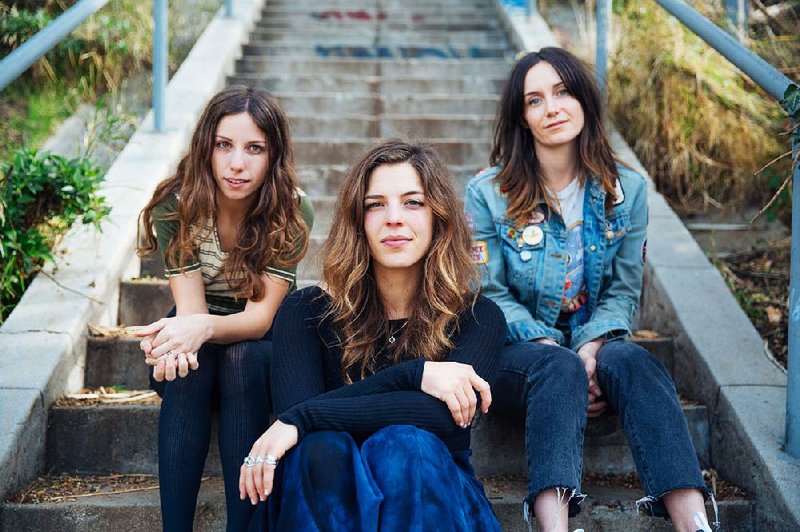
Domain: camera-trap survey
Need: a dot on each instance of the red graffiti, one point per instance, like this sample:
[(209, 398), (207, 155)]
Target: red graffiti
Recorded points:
[(361, 14)]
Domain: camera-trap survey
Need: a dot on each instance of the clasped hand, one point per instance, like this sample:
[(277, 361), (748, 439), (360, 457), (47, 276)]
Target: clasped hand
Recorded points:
[(455, 384), (171, 345), (588, 354)]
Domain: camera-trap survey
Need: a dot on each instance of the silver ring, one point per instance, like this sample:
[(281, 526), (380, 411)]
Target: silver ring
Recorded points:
[(259, 460), (249, 461), (271, 460), (169, 353)]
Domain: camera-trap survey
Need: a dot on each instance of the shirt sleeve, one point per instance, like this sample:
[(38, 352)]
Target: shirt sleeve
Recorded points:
[(522, 326), (166, 227), (393, 396), (289, 273)]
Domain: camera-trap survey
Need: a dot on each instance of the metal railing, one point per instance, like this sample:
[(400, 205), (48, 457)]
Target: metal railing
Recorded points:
[(776, 85), (18, 61)]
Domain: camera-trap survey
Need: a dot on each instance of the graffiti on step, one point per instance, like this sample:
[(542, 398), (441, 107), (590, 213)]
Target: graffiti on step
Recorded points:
[(336, 14), (408, 52)]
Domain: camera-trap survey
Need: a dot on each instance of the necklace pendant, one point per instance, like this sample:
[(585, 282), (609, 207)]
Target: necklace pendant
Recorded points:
[(391, 339)]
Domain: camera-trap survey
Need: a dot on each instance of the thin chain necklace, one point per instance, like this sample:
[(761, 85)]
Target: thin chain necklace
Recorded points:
[(392, 339)]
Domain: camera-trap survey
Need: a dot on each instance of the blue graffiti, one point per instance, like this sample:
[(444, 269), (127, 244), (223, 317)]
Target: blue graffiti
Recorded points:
[(408, 52)]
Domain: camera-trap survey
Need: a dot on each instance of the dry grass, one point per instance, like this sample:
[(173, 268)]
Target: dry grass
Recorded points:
[(700, 127)]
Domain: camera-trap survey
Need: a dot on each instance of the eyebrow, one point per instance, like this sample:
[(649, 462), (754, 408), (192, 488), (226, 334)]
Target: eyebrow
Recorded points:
[(409, 193), (557, 85), (259, 141)]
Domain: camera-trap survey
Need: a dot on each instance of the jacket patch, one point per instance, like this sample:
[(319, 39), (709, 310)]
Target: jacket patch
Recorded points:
[(479, 252)]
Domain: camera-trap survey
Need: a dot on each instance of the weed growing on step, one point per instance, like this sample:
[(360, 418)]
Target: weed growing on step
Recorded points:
[(41, 195)]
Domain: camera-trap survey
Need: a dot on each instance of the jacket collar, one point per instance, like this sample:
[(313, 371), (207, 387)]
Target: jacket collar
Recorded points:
[(597, 197)]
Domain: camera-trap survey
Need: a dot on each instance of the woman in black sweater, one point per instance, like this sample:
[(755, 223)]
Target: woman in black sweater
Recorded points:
[(377, 378)]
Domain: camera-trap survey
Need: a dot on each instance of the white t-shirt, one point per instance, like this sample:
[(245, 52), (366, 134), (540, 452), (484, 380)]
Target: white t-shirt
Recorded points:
[(570, 203)]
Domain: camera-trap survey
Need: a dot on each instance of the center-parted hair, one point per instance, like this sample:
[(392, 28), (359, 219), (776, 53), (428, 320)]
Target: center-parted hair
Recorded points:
[(448, 279), (514, 148), (273, 231)]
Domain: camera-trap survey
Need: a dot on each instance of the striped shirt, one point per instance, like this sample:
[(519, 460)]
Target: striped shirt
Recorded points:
[(209, 258)]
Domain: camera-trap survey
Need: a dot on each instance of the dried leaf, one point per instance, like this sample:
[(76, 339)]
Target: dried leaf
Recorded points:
[(646, 334), (774, 315), (108, 331)]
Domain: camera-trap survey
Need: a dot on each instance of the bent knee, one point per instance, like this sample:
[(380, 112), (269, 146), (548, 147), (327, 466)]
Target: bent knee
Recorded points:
[(323, 448), (402, 440), (562, 362), (629, 360)]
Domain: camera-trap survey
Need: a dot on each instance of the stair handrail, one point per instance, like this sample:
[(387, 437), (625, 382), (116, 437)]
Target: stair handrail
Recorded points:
[(20, 59), (783, 89)]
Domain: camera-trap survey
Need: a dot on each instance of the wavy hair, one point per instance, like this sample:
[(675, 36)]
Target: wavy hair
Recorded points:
[(448, 279), (514, 149), (272, 232)]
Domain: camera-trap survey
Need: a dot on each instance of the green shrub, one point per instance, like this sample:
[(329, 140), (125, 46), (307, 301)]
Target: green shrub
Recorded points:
[(41, 195)]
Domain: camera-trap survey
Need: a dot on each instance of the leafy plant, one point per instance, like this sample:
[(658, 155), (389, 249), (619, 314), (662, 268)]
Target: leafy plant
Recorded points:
[(41, 195)]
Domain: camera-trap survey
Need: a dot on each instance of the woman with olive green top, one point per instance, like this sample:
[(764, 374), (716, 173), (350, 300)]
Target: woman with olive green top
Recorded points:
[(231, 225)]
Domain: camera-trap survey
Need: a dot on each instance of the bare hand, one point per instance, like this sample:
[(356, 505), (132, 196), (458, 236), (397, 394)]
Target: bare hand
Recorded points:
[(455, 384), (546, 341), (169, 365), (181, 334), (256, 481), (588, 355)]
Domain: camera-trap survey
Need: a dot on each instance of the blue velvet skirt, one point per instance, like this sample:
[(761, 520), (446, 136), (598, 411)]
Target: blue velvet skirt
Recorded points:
[(401, 479)]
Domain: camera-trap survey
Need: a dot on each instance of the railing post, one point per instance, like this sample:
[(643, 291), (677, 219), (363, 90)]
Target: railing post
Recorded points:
[(737, 11), (793, 370), (43, 41), (160, 71), (603, 30), (531, 8)]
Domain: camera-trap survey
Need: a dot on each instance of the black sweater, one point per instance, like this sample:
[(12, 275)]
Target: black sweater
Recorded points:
[(308, 388)]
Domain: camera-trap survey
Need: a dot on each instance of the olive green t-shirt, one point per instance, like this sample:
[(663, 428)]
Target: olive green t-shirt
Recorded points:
[(209, 259)]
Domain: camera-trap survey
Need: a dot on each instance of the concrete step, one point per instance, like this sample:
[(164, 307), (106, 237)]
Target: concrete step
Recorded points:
[(326, 179), (108, 439), (375, 12), (323, 36), (349, 84), (428, 127), (316, 151), (388, 51), (442, 24), (397, 104), (410, 68), (606, 508), (383, 17), (498, 445), (609, 508), (132, 512), (386, 4)]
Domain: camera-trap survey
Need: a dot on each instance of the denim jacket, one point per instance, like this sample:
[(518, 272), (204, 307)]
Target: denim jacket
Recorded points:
[(526, 278)]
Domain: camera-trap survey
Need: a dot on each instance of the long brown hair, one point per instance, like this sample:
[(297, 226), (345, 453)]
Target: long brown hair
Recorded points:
[(448, 278), (272, 232), (514, 149)]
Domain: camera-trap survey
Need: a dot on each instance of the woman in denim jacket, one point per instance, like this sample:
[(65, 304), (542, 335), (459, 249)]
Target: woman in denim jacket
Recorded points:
[(559, 231)]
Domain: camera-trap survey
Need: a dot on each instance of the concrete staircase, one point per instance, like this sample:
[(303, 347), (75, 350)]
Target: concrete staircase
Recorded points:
[(347, 73)]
